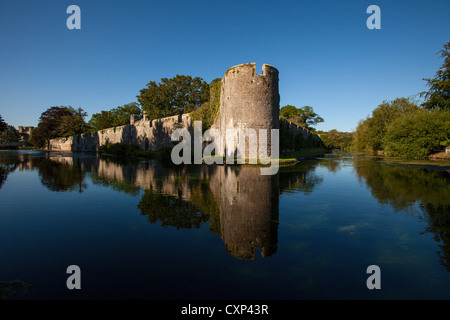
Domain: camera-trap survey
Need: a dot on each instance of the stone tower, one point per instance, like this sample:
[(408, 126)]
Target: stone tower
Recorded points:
[(249, 100)]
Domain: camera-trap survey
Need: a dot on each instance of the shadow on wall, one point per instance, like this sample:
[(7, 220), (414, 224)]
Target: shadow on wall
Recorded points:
[(147, 135), (294, 137)]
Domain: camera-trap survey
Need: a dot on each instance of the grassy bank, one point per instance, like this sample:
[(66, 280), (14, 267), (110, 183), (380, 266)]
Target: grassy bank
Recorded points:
[(304, 153), (128, 150)]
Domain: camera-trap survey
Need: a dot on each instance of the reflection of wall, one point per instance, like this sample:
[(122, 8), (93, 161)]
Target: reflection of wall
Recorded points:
[(247, 201), (248, 210)]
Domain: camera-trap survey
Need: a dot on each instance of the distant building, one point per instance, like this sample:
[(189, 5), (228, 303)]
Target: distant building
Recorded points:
[(25, 133)]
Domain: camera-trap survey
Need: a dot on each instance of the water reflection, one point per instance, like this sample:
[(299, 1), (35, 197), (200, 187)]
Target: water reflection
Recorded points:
[(406, 188), (8, 163), (240, 205)]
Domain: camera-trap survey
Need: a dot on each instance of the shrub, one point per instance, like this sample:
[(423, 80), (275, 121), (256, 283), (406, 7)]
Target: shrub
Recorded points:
[(418, 134)]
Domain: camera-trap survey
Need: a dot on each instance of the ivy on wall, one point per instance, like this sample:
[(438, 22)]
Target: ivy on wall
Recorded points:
[(208, 112)]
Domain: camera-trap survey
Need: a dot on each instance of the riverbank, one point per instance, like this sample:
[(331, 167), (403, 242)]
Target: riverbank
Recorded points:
[(125, 150), (304, 154)]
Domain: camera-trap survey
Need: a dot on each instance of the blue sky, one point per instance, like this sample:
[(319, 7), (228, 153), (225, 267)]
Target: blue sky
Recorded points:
[(326, 56)]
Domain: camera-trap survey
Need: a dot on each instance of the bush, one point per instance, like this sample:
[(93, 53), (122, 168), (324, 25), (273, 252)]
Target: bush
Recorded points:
[(417, 135)]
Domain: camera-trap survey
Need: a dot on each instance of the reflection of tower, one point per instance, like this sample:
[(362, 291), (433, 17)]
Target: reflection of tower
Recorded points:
[(249, 101), (248, 210)]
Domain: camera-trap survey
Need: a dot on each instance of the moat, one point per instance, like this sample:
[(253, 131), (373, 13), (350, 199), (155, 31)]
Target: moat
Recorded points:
[(141, 229)]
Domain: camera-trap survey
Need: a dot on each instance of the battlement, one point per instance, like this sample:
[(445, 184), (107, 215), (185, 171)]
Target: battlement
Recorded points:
[(249, 70)]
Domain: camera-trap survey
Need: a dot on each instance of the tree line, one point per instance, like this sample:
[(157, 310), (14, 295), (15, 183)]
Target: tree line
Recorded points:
[(171, 96), (401, 127), (404, 127), (7, 132)]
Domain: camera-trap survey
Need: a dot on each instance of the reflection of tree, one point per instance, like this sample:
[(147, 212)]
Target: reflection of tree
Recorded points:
[(403, 188), (439, 225), (58, 176), (114, 183), (8, 163), (333, 165), (171, 210), (299, 177)]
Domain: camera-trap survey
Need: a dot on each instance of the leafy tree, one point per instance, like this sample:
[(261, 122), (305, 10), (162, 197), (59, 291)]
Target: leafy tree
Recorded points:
[(178, 95), (56, 122), (438, 94), (122, 113), (10, 134), (3, 124), (418, 134), (361, 136), (334, 139), (118, 116), (72, 124), (382, 116), (303, 117), (100, 121)]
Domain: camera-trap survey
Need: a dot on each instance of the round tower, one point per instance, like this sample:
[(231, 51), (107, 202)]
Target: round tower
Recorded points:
[(249, 101)]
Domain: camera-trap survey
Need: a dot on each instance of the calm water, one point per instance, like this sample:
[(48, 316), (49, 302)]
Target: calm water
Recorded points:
[(145, 230)]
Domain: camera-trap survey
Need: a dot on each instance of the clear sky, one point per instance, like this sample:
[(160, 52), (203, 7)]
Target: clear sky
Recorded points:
[(326, 55)]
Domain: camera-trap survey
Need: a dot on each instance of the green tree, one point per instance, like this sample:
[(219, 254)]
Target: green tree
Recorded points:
[(303, 117), (178, 95), (56, 122), (3, 124), (115, 117), (382, 116), (122, 114), (10, 134), (334, 139), (418, 134), (361, 136), (100, 121), (72, 124), (438, 94)]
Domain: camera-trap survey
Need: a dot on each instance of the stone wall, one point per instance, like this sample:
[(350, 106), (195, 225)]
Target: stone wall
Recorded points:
[(294, 137), (148, 135)]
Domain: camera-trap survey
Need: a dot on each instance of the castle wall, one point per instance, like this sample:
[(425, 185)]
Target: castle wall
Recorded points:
[(148, 135)]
